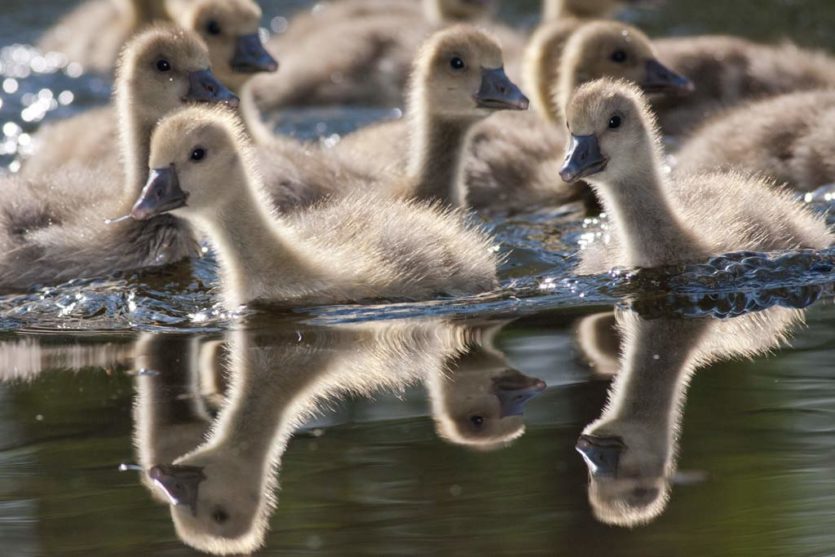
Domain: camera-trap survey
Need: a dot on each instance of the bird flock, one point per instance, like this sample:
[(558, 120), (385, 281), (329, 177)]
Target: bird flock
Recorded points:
[(496, 119)]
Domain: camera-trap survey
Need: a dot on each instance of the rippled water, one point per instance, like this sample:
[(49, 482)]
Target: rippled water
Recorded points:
[(448, 427)]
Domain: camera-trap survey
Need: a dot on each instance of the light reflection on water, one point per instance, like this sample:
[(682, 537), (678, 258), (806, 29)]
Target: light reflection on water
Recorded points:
[(414, 427)]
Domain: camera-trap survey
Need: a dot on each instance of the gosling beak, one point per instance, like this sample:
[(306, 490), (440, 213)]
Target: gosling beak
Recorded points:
[(661, 79), (514, 390), (602, 454), (180, 483), (583, 158), (162, 193), (204, 87), (497, 92), (251, 56)]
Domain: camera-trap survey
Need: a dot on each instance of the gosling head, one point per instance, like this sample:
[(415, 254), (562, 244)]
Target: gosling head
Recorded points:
[(485, 409), (164, 68), (459, 74), (629, 470), (198, 158), (613, 133), (230, 30), (619, 51), (459, 10), (220, 502)]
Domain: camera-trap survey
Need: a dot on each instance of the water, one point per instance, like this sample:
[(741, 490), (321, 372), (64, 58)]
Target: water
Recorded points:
[(437, 428)]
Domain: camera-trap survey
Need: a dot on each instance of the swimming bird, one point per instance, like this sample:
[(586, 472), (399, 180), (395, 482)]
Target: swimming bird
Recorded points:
[(355, 248), (788, 138), (53, 229), (656, 220), (458, 80)]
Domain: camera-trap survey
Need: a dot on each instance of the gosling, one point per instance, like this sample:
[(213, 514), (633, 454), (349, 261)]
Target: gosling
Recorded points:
[(616, 147), (351, 249)]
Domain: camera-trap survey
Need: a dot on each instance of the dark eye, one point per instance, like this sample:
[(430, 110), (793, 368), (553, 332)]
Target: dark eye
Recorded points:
[(213, 27), (220, 516), (457, 63), (198, 154), (476, 420), (619, 56), (614, 122), (163, 65)]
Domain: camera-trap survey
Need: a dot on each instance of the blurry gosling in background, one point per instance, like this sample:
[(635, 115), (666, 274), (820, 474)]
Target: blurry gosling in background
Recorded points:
[(727, 71), (616, 148), (790, 138), (458, 80), (350, 249), (93, 33), (362, 57), (54, 229)]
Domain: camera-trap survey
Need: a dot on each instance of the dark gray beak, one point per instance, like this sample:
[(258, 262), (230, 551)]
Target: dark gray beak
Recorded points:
[(180, 483), (661, 79), (602, 454), (514, 390), (251, 56), (162, 193), (583, 158), (497, 92), (204, 87)]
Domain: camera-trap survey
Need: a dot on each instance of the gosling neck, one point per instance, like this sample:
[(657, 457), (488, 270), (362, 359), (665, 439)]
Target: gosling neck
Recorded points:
[(553, 10), (135, 131), (273, 384), (435, 166), (542, 69), (659, 356), (147, 11), (251, 116), (646, 224), (257, 252)]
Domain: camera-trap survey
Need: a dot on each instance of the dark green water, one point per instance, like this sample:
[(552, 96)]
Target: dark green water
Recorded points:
[(420, 429)]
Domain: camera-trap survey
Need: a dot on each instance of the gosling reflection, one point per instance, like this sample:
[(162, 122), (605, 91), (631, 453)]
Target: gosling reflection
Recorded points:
[(179, 388), (480, 402), (631, 449), (222, 488)]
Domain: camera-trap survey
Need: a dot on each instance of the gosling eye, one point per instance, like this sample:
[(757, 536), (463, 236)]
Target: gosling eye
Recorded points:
[(163, 65), (618, 56), (614, 122), (213, 27), (198, 154), (457, 64), (477, 421), (220, 516)]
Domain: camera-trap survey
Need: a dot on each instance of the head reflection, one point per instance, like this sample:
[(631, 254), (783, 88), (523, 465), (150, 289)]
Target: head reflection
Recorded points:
[(221, 478), (631, 449)]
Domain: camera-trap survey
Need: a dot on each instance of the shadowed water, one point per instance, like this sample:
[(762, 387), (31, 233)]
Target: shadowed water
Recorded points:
[(679, 411)]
